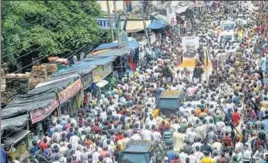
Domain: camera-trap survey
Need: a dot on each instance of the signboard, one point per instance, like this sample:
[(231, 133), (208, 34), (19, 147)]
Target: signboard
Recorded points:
[(190, 46), (104, 23), (41, 113), (123, 39), (86, 79), (101, 72), (70, 91)]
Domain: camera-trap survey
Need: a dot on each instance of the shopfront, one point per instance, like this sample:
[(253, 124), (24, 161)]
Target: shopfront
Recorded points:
[(65, 95), (102, 71)]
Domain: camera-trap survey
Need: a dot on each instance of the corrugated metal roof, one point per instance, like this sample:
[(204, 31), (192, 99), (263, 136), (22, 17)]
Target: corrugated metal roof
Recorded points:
[(14, 124)]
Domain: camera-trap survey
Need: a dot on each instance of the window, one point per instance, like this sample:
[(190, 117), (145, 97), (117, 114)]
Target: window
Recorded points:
[(134, 158)]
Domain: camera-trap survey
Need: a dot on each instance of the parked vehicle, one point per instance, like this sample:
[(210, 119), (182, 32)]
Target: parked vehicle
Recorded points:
[(140, 151)]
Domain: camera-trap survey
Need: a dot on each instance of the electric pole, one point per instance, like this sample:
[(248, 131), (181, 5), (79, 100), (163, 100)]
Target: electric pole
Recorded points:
[(117, 23), (110, 21)]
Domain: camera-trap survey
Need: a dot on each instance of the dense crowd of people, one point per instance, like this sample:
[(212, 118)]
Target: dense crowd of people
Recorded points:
[(223, 119)]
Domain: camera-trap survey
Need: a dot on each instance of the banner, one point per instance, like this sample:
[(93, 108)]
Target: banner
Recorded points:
[(190, 46), (101, 72), (171, 17), (41, 113)]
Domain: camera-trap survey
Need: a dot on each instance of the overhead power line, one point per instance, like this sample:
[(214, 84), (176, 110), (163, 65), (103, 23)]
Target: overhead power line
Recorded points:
[(68, 56)]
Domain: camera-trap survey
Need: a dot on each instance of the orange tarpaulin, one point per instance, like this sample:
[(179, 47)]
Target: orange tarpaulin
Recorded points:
[(52, 59), (99, 51)]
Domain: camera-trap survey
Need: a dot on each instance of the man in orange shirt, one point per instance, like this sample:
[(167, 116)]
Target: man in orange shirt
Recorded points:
[(235, 117)]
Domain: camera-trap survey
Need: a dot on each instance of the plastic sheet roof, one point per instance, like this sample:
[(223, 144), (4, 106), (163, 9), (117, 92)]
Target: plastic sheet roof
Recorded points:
[(100, 60), (133, 43), (14, 124), (37, 98), (157, 24), (80, 68)]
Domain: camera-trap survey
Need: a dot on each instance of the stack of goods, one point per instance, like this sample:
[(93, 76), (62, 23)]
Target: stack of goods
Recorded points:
[(18, 82), (7, 96), (3, 81), (39, 74), (50, 68)]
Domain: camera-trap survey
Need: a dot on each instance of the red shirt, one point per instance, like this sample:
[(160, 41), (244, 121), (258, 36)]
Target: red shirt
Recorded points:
[(227, 141), (119, 137), (43, 145), (236, 118)]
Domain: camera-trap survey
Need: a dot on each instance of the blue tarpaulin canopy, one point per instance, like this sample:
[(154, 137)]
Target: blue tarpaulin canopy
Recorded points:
[(96, 61), (80, 68), (133, 43), (157, 24)]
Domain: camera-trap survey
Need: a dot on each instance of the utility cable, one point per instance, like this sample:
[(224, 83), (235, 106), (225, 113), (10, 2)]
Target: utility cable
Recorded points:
[(24, 85), (41, 59)]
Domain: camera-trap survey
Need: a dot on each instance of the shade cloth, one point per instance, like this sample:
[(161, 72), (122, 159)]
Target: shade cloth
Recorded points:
[(157, 24)]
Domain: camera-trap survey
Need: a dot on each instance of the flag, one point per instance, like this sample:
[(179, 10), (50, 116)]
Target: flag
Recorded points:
[(128, 6), (206, 57)]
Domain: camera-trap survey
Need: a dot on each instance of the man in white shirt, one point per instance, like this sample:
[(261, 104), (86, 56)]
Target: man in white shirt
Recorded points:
[(146, 134), (135, 136), (183, 156), (108, 159), (156, 135), (95, 156), (199, 155), (74, 140), (78, 153), (151, 122)]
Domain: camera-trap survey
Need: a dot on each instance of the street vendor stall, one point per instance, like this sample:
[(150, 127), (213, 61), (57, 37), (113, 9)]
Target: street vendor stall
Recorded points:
[(16, 145)]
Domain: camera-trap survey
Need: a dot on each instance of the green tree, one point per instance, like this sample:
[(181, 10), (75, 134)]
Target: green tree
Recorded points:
[(54, 27)]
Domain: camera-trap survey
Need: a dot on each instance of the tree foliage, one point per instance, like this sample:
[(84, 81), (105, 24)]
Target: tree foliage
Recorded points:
[(56, 27)]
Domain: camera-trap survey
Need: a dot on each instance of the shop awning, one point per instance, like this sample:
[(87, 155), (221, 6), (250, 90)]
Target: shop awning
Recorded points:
[(102, 83), (16, 137), (99, 60), (133, 26), (80, 68), (114, 45), (157, 24), (39, 97), (14, 124), (112, 53)]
